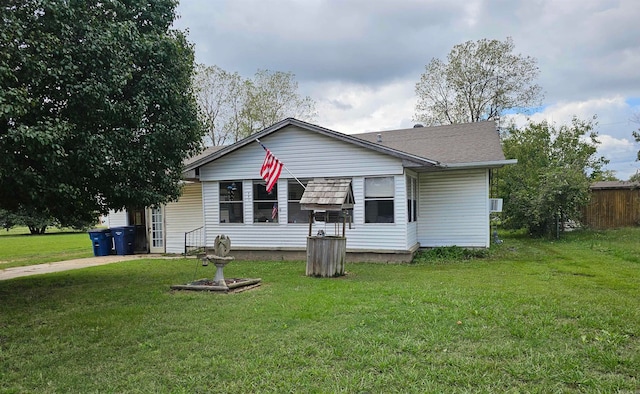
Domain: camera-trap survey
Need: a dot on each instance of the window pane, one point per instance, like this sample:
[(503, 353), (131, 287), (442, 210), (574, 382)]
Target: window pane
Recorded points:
[(260, 192), (295, 190), (415, 210), (294, 213), (412, 198), (231, 191), (231, 212), (378, 187), (265, 212), (378, 211)]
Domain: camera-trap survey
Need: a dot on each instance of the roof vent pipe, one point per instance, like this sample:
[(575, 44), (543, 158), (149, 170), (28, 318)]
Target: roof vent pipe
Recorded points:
[(379, 138), (417, 125)]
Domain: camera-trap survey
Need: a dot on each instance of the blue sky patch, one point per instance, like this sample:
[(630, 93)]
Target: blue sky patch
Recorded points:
[(633, 101)]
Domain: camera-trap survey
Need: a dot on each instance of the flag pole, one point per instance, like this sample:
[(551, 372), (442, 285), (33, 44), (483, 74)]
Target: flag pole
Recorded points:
[(284, 166)]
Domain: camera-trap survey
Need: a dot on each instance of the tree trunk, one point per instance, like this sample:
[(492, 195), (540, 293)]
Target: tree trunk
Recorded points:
[(37, 230)]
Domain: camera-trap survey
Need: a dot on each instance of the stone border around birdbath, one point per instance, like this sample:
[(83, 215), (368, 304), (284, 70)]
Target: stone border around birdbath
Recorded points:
[(235, 285)]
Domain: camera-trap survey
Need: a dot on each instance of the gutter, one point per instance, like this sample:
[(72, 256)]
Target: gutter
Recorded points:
[(480, 164)]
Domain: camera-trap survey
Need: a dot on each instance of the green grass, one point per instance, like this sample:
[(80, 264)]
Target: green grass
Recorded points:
[(18, 248), (533, 316)]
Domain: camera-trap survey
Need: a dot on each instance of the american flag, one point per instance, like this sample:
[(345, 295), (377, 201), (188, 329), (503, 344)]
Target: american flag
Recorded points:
[(271, 169)]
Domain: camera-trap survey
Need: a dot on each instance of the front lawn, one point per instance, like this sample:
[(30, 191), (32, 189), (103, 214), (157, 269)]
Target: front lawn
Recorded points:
[(535, 316), (20, 249)]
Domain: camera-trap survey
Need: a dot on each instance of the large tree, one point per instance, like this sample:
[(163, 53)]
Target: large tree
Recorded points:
[(479, 81), (550, 183), (221, 96), (636, 134), (97, 109), (232, 107)]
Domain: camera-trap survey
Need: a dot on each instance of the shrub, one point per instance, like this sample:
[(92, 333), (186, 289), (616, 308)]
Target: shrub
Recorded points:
[(449, 253)]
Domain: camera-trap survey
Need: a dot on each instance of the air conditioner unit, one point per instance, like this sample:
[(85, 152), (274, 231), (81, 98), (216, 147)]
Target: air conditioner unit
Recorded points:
[(495, 205)]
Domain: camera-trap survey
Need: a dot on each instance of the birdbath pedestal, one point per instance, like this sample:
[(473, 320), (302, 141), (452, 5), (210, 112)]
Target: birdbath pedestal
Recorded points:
[(219, 262), (221, 248), (219, 257)]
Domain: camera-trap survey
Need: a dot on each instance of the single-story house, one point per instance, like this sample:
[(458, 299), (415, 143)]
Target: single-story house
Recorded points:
[(412, 188)]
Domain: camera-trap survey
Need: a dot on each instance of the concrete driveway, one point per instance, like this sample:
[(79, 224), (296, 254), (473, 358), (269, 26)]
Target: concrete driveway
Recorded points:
[(16, 272)]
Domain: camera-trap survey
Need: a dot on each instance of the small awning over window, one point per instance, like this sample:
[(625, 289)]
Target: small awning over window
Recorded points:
[(327, 195)]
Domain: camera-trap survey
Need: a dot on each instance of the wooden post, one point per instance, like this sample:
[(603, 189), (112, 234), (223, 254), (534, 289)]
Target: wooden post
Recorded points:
[(310, 222)]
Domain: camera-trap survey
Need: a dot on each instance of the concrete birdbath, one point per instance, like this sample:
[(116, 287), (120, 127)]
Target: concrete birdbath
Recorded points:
[(219, 258)]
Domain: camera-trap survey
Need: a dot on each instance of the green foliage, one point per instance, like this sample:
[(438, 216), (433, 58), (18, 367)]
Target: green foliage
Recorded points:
[(97, 110), (479, 80), (542, 317), (232, 107), (636, 135), (36, 223), (449, 253), (604, 175), (551, 181)]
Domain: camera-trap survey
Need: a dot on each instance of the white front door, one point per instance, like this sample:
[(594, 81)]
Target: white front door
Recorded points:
[(156, 230)]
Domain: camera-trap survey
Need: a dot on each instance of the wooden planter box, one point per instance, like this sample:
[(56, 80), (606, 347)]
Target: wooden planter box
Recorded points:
[(326, 256)]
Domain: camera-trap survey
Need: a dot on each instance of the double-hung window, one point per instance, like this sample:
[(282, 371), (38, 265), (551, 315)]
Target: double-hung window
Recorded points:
[(231, 207), (294, 213), (412, 199), (378, 200), (265, 205)]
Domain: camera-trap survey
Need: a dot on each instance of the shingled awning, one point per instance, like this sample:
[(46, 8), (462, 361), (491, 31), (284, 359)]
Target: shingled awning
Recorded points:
[(327, 195)]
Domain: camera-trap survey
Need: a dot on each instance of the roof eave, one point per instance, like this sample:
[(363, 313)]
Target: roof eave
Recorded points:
[(480, 164), (407, 157)]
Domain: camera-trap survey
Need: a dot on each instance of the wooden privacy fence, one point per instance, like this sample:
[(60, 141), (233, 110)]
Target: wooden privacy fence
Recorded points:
[(613, 205)]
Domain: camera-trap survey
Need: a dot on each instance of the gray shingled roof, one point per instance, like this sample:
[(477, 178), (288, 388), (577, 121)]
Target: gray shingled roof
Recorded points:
[(202, 154), (615, 185), (459, 143), (327, 194)]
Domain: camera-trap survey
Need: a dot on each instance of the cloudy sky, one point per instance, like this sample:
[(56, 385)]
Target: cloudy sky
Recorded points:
[(360, 59)]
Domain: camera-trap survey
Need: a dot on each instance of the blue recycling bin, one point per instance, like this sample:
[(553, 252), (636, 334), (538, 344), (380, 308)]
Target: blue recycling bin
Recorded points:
[(123, 239), (102, 241)]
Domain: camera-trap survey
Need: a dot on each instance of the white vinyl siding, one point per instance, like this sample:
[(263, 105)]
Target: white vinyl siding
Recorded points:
[(248, 235), (117, 219), (306, 154), (183, 216), (453, 208)]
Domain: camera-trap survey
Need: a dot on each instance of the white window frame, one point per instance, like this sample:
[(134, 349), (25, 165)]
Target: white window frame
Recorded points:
[(270, 202), (304, 219), (379, 196), (224, 201), (412, 199)]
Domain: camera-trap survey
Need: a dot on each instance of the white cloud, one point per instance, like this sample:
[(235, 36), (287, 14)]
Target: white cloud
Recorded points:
[(359, 60), (615, 147), (357, 108)]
